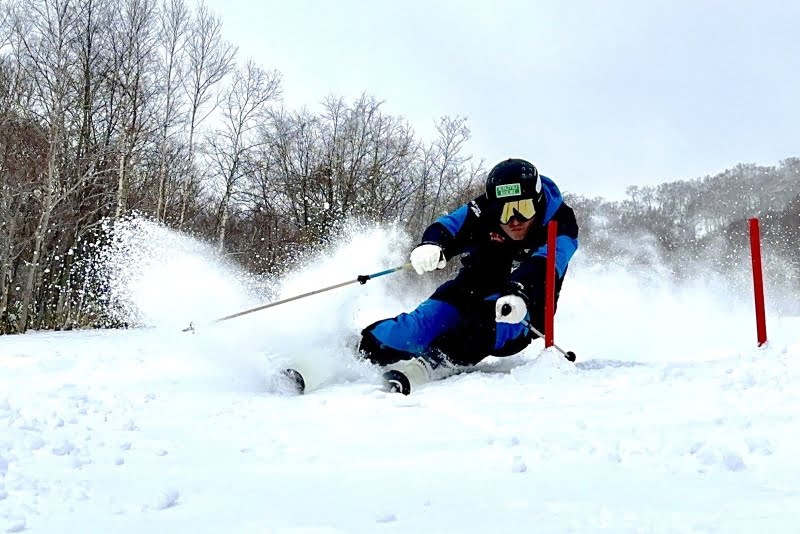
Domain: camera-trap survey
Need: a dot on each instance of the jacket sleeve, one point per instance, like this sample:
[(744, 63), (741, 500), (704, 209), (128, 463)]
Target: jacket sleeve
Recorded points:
[(453, 231), (530, 275)]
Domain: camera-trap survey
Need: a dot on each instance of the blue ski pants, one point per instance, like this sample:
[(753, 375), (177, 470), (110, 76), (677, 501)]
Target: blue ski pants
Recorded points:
[(464, 334)]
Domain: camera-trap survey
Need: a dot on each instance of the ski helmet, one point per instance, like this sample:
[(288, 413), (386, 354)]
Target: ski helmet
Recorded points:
[(512, 181)]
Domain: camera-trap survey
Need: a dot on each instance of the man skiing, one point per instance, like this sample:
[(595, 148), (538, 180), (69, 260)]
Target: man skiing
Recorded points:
[(502, 235)]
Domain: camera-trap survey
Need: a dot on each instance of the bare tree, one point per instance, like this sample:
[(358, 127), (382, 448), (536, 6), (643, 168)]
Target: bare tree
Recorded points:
[(231, 145), (93, 49), (92, 23), (134, 48), (174, 26), (292, 152), (22, 155), (6, 25), (210, 59), (352, 161), (44, 31), (445, 175), (369, 156)]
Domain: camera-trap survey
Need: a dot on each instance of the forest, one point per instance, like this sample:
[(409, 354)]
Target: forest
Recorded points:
[(115, 108)]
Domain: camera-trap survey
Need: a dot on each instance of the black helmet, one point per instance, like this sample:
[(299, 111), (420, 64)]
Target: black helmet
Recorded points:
[(513, 179), (514, 189)]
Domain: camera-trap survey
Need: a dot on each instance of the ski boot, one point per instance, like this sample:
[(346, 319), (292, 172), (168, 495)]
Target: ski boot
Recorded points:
[(400, 376)]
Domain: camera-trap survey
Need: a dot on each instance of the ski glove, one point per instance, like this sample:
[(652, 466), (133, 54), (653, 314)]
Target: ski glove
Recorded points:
[(515, 309), (427, 257)]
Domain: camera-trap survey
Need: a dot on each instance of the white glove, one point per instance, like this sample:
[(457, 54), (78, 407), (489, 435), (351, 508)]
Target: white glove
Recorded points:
[(427, 257), (516, 309)]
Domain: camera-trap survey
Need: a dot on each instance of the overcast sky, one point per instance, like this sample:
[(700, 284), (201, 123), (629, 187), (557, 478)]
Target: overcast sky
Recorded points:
[(599, 95)]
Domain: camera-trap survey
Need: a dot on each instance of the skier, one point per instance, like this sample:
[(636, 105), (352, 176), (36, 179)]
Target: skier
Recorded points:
[(502, 235)]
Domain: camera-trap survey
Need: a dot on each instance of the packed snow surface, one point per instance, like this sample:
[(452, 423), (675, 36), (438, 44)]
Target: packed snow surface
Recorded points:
[(671, 420)]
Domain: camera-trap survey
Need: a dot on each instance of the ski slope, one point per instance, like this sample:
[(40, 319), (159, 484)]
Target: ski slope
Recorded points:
[(671, 420)]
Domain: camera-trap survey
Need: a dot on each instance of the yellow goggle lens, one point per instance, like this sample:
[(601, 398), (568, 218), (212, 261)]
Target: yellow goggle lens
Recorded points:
[(523, 209)]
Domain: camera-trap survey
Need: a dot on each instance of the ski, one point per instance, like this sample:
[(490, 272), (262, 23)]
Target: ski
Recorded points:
[(402, 376), (394, 381), (397, 382), (294, 379)]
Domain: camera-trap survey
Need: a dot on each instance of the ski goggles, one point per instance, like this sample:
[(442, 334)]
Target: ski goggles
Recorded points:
[(523, 210)]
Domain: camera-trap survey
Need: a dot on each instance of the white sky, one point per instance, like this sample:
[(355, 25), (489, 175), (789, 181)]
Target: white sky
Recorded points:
[(599, 95)]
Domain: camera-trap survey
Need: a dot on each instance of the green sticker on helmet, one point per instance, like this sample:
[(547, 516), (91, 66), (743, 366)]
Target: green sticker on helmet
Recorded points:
[(508, 190)]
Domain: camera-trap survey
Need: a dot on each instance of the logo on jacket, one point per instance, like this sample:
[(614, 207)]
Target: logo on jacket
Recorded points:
[(474, 207), (496, 237)]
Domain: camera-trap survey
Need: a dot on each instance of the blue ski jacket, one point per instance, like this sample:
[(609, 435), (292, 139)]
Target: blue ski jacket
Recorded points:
[(494, 263)]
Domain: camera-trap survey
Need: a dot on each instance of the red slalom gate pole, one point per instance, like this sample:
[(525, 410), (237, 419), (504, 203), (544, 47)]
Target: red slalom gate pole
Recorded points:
[(758, 282), (550, 284)]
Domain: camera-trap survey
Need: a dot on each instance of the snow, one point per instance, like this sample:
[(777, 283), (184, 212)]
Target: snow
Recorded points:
[(671, 420)]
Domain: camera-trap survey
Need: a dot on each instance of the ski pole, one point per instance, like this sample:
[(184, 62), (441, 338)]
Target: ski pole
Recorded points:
[(361, 279), (569, 355)]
